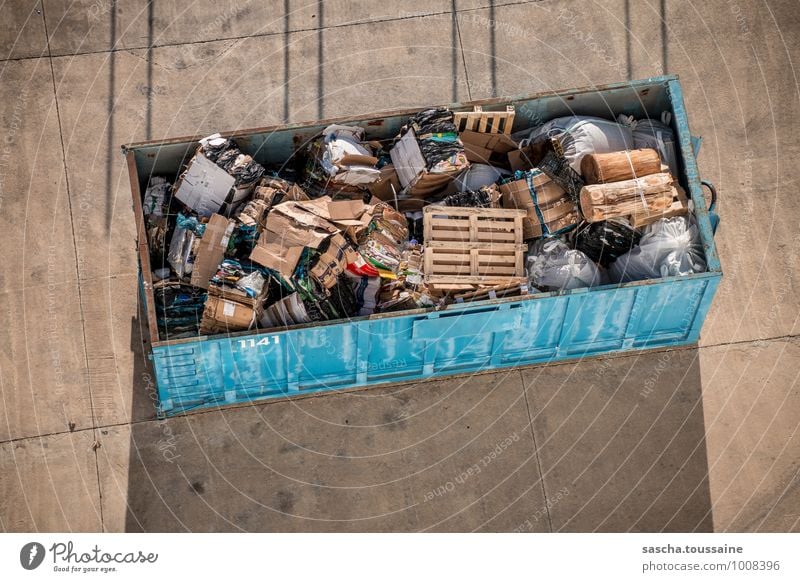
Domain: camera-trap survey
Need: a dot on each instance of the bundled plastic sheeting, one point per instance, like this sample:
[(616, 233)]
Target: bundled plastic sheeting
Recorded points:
[(227, 155), (438, 140), (670, 247), (366, 291), (340, 161), (181, 246), (245, 171), (580, 135), (241, 166), (486, 197), (604, 242), (214, 145), (178, 308), (180, 250), (553, 265), (153, 204), (190, 223), (155, 197), (252, 285)]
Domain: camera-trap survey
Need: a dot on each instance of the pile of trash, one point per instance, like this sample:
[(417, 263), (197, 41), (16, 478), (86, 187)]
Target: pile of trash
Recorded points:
[(340, 232)]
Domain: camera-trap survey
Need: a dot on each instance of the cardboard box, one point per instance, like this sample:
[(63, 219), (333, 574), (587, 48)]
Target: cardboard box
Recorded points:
[(211, 249), (222, 315), (345, 210), (204, 186), (557, 210), (387, 186), (520, 159), (494, 142), (290, 227), (476, 153)]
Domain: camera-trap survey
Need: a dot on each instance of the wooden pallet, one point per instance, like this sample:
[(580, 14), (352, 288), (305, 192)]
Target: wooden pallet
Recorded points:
[(472, 246), (518, 286), (485, 121)]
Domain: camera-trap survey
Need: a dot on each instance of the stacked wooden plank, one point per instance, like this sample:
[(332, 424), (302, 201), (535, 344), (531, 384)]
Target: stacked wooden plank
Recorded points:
[(472, 246), (632, 184)]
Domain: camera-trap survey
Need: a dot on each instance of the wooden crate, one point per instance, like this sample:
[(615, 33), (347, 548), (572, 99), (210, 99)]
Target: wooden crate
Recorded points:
[(472, 246), (485, 121)]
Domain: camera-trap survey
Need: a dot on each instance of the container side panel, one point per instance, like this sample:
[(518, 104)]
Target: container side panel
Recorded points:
[(703, 307), (392, 352), (254, 366), (692, 175), (189, 375), (326, 356), (596, 321), (537, 338), (668, 312)]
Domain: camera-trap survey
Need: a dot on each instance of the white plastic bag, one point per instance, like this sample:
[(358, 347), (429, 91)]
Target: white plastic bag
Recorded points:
[(553, 264), (658, 135), (581, 135), (477, 176), (669, 247)]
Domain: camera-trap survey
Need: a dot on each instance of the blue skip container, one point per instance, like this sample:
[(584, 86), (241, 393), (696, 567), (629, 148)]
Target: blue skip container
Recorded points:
[(213, 371)]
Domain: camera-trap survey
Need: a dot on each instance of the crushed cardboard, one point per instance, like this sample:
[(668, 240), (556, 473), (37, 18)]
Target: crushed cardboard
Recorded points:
[(211, 249)]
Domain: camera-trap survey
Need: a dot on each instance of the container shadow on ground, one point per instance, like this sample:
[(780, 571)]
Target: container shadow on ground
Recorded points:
[(616, 444)]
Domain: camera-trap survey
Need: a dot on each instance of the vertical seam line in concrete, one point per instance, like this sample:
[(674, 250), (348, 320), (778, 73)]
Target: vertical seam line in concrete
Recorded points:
[(493, 49), (77, 273), (536, 450), (149, 113), (286, 61), (463, 56), (320, 57)]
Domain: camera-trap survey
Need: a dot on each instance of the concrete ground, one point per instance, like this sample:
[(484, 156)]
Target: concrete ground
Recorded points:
[(713, 446)]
